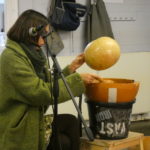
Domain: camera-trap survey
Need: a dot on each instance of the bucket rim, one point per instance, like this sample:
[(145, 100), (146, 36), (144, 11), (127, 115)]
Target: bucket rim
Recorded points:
[(118, 105)]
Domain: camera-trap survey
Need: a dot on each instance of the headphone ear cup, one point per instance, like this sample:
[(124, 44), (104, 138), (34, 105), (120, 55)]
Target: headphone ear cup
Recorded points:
[(33, 32)]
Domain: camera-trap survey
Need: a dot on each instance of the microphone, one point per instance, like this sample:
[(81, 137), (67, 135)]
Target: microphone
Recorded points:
[(33, 31)]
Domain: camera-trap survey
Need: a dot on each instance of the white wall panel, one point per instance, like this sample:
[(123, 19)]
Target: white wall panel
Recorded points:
[(11, 13), (130, 24)]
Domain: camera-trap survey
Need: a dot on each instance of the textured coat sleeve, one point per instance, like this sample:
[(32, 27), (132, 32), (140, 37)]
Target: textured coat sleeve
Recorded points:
[(66, 71), (76, 85), (35, 91)]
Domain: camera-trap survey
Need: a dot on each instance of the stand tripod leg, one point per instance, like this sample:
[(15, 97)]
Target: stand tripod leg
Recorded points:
[(80, 123)]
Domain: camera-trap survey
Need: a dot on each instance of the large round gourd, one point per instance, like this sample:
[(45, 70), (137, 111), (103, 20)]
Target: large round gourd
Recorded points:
[(102, 53)]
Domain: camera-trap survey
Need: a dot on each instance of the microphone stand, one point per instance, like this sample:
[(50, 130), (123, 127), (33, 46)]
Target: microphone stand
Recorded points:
[(58, 72), (55, 95)]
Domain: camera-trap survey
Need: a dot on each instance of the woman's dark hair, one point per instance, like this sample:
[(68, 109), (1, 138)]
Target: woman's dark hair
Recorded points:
[(19, 32)]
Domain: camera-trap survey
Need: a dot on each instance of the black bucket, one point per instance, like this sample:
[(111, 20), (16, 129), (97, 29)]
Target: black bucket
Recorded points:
[(109, 120)]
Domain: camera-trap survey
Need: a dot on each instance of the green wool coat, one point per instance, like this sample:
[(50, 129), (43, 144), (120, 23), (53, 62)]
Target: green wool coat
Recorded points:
[(23, 96)]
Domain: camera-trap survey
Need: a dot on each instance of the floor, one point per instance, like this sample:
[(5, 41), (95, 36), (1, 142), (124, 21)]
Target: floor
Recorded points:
[(141, 126)]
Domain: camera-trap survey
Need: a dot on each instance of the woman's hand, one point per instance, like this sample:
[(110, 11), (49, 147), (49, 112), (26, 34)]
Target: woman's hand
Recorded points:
[(90, 78), (77, 62)]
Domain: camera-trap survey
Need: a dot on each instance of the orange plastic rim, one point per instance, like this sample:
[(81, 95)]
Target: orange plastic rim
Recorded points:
[(113, 91)]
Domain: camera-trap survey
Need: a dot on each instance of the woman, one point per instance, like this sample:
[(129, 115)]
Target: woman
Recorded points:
[(25, 86)]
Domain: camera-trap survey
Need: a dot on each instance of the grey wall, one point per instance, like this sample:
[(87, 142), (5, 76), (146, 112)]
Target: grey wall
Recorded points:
[(130, 23), (1, 16)]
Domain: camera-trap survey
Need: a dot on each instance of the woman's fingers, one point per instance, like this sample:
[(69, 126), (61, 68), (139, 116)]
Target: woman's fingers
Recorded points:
[(77, 62), (98, 78), (90, 78)]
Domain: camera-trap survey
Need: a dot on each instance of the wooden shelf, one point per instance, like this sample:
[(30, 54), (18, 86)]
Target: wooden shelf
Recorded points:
[(133, 139)]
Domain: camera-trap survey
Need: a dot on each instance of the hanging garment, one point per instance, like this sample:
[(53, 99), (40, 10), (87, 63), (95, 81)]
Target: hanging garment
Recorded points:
[(98, 23), (65, 14)]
